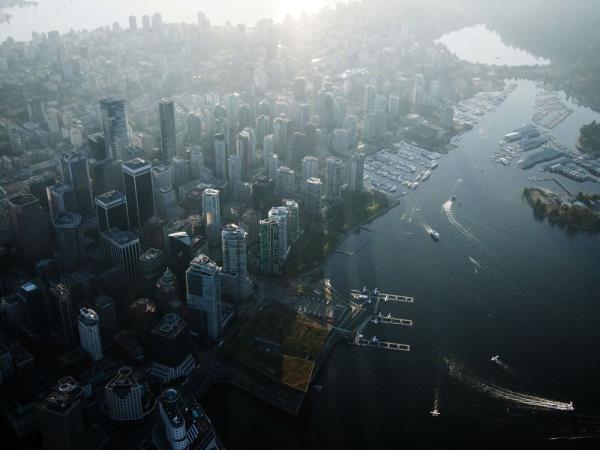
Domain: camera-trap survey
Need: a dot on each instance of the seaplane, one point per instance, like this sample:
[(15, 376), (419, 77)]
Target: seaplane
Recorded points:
[(435, 412), (374, 320), (374, 339), (495, 359)]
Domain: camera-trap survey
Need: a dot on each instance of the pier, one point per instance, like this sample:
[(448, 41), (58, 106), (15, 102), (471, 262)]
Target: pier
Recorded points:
[(392, 321), (382, 344)]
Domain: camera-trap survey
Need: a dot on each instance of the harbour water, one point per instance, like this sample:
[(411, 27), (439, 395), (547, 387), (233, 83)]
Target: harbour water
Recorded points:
[(499, 282), (477, 44)]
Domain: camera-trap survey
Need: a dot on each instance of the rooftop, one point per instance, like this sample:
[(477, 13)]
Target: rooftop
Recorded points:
[(121, 237), (110, 198), (170, 326), (136, 165)]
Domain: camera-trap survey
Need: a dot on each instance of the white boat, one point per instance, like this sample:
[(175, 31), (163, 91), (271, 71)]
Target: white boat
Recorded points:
[(434, 234)]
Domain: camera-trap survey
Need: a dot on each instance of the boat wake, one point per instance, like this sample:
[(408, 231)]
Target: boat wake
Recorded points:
[(447, 208), (503, 393)]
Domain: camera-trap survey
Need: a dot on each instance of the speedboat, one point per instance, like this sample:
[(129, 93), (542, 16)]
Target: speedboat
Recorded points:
[(495, 358), (435, 412), (434, 235)]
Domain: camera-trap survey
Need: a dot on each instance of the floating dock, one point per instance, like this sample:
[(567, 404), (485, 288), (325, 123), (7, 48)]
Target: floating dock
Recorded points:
[(382, 344), (393, 321)]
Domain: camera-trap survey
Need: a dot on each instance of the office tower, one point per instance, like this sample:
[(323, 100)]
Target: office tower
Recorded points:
[(111, 209), (137, 178), (234, 170), (298, 148), (313, 194), (310, 167), (220, 146), (89, 333), (268, 145), (60, 417), (168, 142), (232, 102), (272, 164), (68, 236), (269, 246), (196, 162), (284, 182), (280, 214), (170, 341), (245, 116), (32, 296), (124, 251), (250, 223), (61, 307), (162, 176), (76, 173), (29, 228), (280, 135), (61, 198), (293, 219), (394, 106), (234, 280), (181, 171), (146, 22), (369, 100), (144, 317), (152, 264), (36, 111), (244, 152), (211, 213), (356, 165), (304, 111), (263, 128), (183, 424), (105, 307), (203, 292), (339, 141), (194, 128), (299, 88), (334, 169), (124, 396), (132, 23), (114, 125)]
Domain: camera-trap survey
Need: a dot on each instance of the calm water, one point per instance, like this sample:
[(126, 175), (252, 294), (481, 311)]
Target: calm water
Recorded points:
[(534, 301), (477, 44), (64, 15)]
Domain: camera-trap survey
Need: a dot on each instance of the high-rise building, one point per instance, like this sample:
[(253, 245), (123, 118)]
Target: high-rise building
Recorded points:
[(114, 125), (293, 219), (269, 246), (162, 176), (60, 417), (97, 146), (105, 307), (211, 213), (244, 152), (235, 282), (310, 167), (89, 333), (124, 396), (168, 140), (220, 147), (68, 236), (334, 170), (263, 128), (170, 339), (284, 182), (281, 215), (356, 165), (61, 308), (196, 162), (29, 228), (124, 251), (313, 196), (234, 166), (61, 198), (137, 178), (194, 128), (181, 171), (111, 209), (76, 173), (272, 164), (32, 298), (203, 292), (132, 23)]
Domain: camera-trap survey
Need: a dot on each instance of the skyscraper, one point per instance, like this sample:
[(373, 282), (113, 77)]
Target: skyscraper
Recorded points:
[(170, 339), (114, 125), (124, 251), (89, 333), (111, 208), (356, 165), (334, 168), (168, 141), (280, 214), (124, 396), (244, 152), (68, 236), (220, 146), (269, 246), (76, 173), (284, 182), (194, 128), (29, 228), (61, 197), (313, 194), (293, 219), (61, 307), (234, 166), (310, 167), (196, 162), (203, 292), (235, 281), (211, 213), (139, 193)]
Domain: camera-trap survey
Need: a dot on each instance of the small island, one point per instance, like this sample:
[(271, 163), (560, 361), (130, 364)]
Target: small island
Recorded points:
[(588, 141), (581, 211)]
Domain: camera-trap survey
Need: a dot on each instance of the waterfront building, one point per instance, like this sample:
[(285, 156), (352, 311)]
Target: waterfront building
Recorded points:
[(211, 213), (111, 209), (76, 173), (168, 139), (281, 215), (139, 192), (89, 333), (269, 246), (356, 165), (203, 292), (114, 126), (334, 168)]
